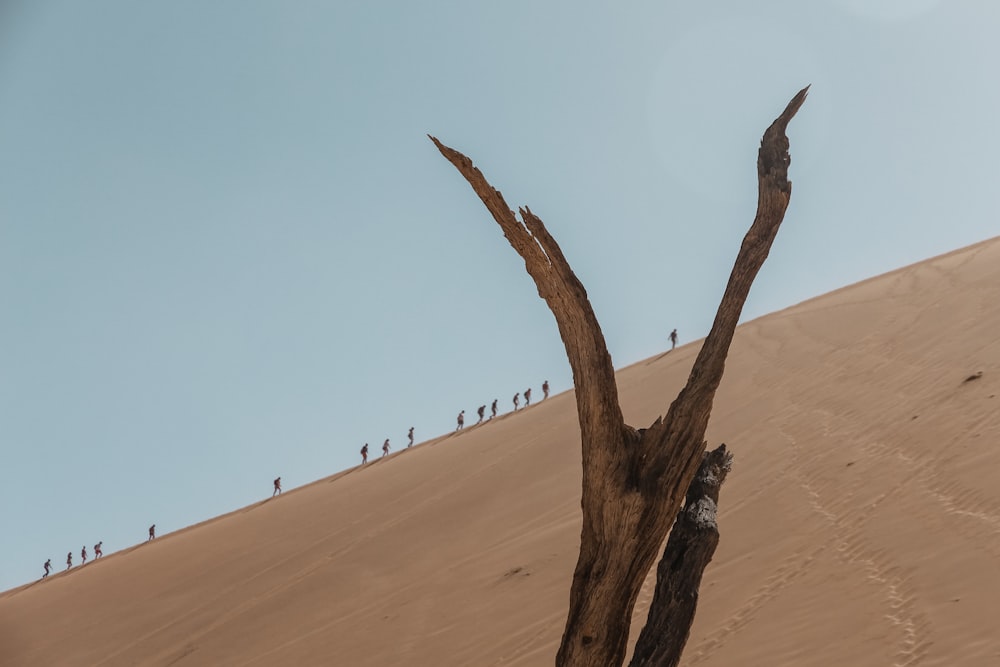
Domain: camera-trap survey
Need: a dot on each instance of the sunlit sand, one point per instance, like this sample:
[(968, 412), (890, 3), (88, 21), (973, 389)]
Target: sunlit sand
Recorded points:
[(860, 524)]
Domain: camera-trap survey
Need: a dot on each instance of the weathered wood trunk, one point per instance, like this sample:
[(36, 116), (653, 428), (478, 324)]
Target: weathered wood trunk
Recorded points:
[(689, 550), (633, 481)]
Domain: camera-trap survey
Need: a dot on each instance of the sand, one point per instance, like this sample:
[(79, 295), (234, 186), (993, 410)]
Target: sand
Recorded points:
[(860, 525)]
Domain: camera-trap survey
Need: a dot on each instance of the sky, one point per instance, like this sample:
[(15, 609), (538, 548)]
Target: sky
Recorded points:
[(229, 252)]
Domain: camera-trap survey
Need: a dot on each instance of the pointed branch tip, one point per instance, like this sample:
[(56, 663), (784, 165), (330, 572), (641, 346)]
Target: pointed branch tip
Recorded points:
[(793, 106)]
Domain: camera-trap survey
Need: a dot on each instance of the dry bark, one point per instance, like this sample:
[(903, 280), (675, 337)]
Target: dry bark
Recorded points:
[(633, 480), (689, 550)]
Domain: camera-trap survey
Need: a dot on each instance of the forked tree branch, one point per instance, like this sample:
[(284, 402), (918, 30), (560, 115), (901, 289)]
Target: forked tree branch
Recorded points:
[(600, 416), (687, 416)]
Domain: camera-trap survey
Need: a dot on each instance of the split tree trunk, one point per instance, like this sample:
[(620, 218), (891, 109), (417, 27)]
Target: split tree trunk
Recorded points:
[(689, 550), (633, 480)]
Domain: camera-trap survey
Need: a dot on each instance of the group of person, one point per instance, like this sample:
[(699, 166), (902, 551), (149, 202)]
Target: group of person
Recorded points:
[(386, 447), (69, 558), (481, 412), (98, 553)]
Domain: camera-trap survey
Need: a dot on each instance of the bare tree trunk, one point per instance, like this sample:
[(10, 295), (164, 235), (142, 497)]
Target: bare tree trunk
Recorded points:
[(689, 550), (633, 481)]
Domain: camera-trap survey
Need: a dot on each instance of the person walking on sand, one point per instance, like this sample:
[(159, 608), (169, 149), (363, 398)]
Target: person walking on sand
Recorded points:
[(69, 560), (385, 447), (517, 401), (481, 412), (152, 532), (48, 568), (461, 421), (673, 339), (410, 436), (545, 390), (527, 397), (364, 454), (83, 556), (277, 487), (493, 409), (97, 550)]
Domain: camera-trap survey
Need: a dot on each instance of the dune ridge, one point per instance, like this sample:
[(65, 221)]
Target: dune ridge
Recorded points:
[(860, 524)]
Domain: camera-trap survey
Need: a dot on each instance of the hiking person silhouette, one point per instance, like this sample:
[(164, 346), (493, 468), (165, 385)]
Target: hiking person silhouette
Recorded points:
[(385, 447), (277, 487), (517, 401), (48, 568), (493, 409), (545, 390), (481, 411), (69, 560), (364, 454), (97, 550), (410, 436), (152, 532), (83, 556), (461, 421), (673, 339), (527, 397)]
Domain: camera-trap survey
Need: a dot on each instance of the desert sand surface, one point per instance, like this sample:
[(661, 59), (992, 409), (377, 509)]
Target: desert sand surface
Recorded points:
[(860, 525)]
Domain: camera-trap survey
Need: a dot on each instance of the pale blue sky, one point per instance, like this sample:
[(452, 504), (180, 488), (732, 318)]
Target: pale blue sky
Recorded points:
[(229, 252)]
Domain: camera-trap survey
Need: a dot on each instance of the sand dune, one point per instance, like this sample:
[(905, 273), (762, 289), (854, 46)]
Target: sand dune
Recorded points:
[(860, 524)]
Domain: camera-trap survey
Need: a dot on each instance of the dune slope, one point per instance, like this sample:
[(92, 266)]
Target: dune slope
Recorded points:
[(860, 525)]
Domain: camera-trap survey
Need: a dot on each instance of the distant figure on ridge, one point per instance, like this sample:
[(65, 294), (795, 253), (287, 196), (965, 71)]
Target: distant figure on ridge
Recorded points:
[(545, 390), (410, 436), (385, 447), (461, 420), (481, 412), (48, 568), (277, 487), (493, 409), (83, 556), (97, 550), (527, 397), (69, 560), (517, 401), (673, 339), (364, 454), (152, 532)]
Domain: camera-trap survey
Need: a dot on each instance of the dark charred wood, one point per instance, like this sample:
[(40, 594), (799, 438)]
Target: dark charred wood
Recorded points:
[(689, 550)]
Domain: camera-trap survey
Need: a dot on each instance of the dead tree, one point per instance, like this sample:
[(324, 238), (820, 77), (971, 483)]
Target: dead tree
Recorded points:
[(633, 480)]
